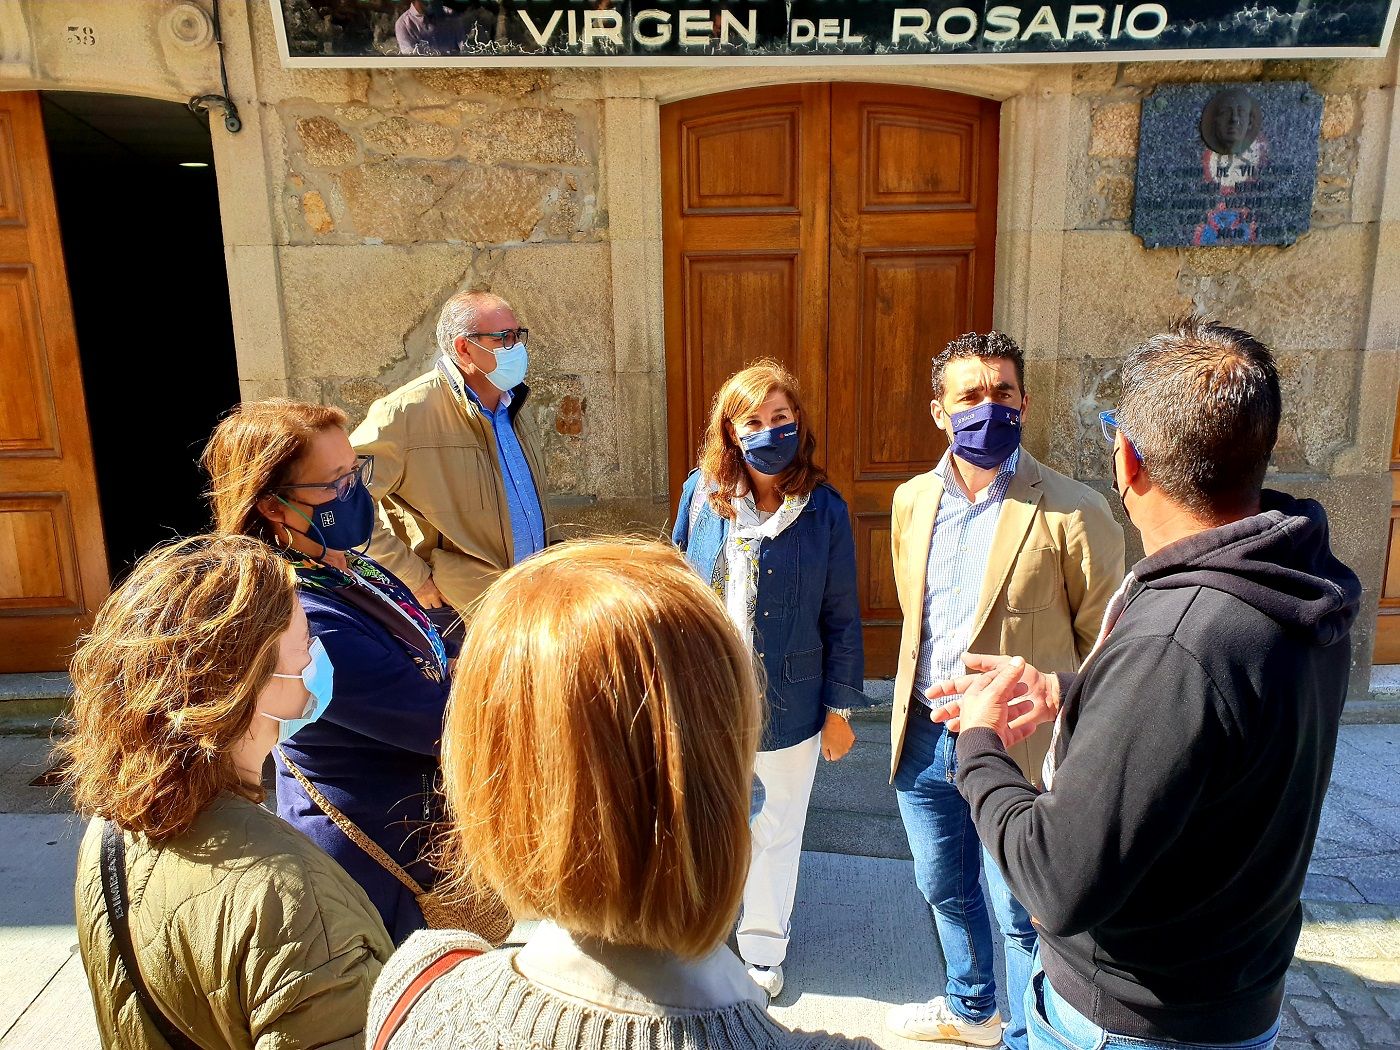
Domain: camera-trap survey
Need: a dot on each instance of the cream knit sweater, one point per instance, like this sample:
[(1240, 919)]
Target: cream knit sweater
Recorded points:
[(488, 1004)]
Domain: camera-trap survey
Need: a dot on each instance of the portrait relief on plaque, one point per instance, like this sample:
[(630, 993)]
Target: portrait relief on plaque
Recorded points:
[(1235, 155), (1223, 165)]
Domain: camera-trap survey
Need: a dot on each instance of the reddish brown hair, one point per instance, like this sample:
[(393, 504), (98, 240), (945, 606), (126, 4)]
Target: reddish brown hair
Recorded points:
[(253, 451), (721, 458), (599, 747), (166, 684)]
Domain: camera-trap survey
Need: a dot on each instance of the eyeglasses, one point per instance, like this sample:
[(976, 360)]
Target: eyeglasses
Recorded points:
[(507, 337), (1108, 423), (342, 486)]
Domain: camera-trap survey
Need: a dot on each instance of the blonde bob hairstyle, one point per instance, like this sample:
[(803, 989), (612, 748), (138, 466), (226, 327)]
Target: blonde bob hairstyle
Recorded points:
[(599, 748), (253, 451), (722, 458), (166, 684)]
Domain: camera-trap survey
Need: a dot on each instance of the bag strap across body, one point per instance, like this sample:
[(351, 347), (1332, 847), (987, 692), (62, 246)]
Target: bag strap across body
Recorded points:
[(405, 1002), (114, 894), (351, 830)]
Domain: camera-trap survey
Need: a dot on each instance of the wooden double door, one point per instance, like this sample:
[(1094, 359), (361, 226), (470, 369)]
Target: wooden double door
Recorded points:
[(847, 231)]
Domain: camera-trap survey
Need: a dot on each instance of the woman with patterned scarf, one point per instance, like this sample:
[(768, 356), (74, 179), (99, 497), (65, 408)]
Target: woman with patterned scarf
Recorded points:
[(285, 472), (758, 520)]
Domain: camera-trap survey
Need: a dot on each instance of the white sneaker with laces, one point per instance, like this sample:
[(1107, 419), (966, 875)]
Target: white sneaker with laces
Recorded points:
[(935, 1021), (769, 978)]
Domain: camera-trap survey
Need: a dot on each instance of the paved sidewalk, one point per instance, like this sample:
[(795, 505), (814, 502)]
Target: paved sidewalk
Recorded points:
[(862, 938)]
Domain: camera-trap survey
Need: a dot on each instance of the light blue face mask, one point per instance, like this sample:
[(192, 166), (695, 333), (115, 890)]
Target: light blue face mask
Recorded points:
[(319, 678), (511, 364)]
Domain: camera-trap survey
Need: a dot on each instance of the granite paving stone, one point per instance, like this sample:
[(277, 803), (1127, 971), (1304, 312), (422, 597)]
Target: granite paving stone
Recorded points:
[(1317, 1014), (1338, 1040)]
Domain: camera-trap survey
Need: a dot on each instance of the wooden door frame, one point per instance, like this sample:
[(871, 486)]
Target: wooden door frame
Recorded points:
[(1037, 106)]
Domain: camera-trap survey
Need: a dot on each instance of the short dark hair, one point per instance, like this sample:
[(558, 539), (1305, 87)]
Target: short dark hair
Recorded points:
[(1201, 405), (973, 344)]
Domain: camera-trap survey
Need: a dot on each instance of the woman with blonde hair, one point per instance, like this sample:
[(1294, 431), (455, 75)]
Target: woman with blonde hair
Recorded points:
[(363, 781), (759, 523), (203, 919), (598, 765)]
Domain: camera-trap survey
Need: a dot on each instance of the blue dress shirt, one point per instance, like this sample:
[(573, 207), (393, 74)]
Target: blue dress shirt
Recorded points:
[(522, 496), (957, 562)]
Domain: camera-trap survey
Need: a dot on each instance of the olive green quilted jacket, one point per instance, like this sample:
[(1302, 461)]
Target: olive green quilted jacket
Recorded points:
[(248, 934)]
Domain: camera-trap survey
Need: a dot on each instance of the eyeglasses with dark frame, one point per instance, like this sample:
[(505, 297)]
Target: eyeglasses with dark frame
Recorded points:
[(341, 487), (508, 337)]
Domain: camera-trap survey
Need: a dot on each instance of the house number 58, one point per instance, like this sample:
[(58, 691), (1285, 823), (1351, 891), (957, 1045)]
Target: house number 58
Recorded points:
[(81, 36)]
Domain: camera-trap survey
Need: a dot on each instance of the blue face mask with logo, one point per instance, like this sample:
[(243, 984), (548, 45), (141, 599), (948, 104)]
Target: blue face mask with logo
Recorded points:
[(771, 451), (511, 364), (319, 679), (339, 524), (984, 436)]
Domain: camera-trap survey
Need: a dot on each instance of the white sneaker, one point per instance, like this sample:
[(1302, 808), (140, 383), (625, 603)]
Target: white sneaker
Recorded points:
[(934, 1021), (769, 978)]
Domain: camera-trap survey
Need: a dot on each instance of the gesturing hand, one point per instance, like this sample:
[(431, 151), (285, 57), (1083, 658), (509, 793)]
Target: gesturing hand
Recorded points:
[(1039, 693)]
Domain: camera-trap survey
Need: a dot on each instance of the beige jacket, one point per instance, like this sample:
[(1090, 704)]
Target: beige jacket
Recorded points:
[(437, 480), (246, 932), (1056, 559)]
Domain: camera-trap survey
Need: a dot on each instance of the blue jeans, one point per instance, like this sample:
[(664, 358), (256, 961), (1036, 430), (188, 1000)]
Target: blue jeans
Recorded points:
[(948, 860), (1055, 1025)]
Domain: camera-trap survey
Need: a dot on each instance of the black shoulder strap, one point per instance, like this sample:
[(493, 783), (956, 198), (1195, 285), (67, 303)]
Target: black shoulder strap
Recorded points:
[(114, 893)]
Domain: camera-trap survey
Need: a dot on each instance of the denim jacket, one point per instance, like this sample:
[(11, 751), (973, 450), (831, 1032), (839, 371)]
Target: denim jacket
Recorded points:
[(807, 616)]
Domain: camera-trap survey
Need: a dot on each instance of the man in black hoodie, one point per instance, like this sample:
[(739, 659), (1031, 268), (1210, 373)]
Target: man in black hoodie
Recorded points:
[(1165, 861)]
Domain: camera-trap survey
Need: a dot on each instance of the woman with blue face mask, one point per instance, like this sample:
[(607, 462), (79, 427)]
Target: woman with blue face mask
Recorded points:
[(203, 919), (758, 521), (285, 472)]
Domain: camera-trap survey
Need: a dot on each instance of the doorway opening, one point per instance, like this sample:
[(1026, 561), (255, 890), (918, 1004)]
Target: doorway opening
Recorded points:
[(138, 211), (849, 231)]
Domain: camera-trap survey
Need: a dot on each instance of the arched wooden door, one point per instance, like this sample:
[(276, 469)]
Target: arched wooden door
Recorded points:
[(847, 230)]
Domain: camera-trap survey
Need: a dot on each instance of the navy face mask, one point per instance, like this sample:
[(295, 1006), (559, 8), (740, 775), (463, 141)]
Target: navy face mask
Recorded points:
[(340, 524), (984, 436), (771, 451)]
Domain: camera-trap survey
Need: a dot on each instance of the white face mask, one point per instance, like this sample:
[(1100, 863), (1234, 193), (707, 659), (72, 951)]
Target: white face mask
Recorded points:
[(319, 678), (511, 364)]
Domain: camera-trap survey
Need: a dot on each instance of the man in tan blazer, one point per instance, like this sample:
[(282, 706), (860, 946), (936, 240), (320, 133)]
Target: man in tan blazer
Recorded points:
[(457, 470), (993, 553)]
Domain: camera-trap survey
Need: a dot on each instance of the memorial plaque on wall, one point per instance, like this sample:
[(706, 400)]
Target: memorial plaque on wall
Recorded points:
[(1226, 164), (654, 32)]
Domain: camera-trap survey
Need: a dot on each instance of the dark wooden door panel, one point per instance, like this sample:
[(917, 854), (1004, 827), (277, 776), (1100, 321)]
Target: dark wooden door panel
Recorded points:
[(1387, 649), (913, 206), (744, 189), (53, 566)]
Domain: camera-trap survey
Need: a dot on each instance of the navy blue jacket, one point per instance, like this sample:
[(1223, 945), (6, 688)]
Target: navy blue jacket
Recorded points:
[(807, 614), (373, 753)]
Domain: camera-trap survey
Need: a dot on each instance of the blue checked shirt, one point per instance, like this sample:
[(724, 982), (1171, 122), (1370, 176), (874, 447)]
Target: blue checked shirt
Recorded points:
[(957, 562), (522, 498)]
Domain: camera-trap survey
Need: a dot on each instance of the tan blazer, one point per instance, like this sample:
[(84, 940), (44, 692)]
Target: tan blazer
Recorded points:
[(1056, 559), (442, 507)]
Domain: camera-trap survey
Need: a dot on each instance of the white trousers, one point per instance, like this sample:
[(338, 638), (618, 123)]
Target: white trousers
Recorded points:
[(776, 831)]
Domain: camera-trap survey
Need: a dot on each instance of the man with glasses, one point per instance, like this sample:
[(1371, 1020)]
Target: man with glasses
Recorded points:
[(457, 470), (1193, 750), (993, 552)]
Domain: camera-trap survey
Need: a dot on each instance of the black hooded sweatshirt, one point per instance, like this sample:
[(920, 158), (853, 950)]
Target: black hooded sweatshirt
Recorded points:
[(1164, 868)]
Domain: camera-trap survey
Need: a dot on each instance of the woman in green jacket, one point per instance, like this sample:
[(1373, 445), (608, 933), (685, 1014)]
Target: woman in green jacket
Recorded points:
[(242, 932)]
